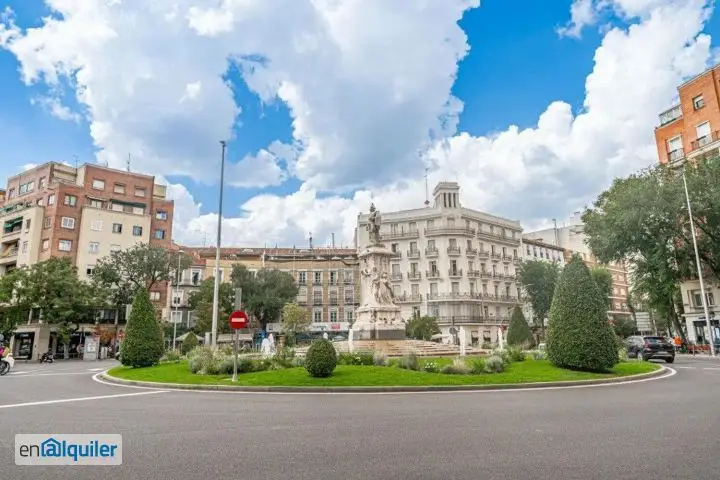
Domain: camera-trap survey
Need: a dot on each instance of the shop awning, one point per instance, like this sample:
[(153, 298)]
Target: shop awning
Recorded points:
[(11, 224), (129, 204)]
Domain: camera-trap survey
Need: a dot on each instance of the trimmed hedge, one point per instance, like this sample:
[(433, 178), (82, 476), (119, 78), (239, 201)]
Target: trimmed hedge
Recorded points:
[(143, 345), (519, 333), (189, 343), (321, 359), (579, 334)]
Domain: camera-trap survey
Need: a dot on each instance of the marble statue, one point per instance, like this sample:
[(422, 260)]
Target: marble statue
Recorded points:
[(373, 225)]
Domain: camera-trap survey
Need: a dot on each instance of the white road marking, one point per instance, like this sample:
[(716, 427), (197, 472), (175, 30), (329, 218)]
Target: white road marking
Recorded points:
[(687, 368), (712, 368), (79, 399), (52, 374), (96, 369), (670, 372)]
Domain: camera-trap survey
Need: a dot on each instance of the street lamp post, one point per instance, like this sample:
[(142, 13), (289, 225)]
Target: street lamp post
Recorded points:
[(216, 292), (699, 269), (177, 305)]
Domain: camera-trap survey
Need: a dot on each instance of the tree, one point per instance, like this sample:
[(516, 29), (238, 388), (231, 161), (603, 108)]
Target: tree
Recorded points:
[(201, 302), (703, 180), (579, 334), (295, 320), (143, 265), (604, 280), (519, 333), (422, 328), (265, 293), (623, 326), (14, 306), (539, 279), (143, 345), (189, 343)]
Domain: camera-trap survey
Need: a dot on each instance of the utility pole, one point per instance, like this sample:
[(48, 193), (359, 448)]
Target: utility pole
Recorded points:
[(216, 292), (177, 305)]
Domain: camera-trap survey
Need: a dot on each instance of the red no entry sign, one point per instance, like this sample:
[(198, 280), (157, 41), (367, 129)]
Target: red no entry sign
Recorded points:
[(238, 319)]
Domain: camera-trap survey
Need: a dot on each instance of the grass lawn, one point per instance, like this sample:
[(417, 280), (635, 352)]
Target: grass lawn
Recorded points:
[(357, 376)]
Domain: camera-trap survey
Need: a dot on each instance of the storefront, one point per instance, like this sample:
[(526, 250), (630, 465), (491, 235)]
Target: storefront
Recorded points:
[(23, 345)]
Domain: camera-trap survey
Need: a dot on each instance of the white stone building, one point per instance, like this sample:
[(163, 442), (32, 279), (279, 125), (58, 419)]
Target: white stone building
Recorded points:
[(695, 323), (452, 263), (533, 249)]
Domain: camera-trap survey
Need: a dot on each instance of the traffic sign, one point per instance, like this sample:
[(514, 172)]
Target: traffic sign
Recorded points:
[(238, 319)]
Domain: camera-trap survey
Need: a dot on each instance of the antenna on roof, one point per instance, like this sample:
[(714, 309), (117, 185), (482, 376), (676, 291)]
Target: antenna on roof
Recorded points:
[(333, 239), (76, 161), (310, 234), (128, 163), (427, 194)]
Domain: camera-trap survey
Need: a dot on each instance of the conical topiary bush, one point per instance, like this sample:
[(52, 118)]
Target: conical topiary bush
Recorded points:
[(519, 333), (143, 344), (579, 334)]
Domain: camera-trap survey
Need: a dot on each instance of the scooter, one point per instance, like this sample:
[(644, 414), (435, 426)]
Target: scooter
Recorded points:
[(47, 357), (6, 364)]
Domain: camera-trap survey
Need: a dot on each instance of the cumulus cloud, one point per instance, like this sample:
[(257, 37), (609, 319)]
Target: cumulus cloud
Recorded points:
[(368, 87)]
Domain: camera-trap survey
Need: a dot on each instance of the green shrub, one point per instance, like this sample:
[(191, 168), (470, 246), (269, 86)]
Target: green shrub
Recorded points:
[(503, 355), (519, 333), (284, 357), (475, 364), (487, 346), (143, 344), (205, 360), (170, 356), (380, 359), (431, 367), (579, 335), (539, 355), (516, 354), (494, 364), (189, 343), (299, 362), (458, 367), (409, 361), (356, 358), (321, 359)]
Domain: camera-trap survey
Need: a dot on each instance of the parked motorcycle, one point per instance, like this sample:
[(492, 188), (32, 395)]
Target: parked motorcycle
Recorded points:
[(47, 357), (6, 364)]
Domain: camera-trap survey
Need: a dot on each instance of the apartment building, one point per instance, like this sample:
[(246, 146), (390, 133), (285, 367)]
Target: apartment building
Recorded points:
[(690, 130), (182, 287), (572, 240), (327, 278), (533, 249), (452, 263), (83, 213)]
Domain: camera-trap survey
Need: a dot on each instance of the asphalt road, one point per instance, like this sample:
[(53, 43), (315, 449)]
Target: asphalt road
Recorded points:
[(667, 428)]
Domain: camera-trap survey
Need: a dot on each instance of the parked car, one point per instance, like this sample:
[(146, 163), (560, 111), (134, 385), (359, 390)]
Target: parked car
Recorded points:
[(650, 348)]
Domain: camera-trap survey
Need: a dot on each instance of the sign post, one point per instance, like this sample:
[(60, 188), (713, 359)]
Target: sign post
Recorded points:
[(238, 319)]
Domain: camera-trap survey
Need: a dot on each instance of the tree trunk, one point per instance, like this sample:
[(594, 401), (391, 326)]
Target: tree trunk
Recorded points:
[(652, 321), (676, 322)]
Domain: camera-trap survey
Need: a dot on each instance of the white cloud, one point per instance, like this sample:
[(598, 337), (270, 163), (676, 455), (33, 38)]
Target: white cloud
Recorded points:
[(55, 108), (368, 86), (582, 13)]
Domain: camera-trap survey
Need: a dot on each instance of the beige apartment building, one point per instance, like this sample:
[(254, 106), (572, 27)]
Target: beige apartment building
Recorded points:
[(327, 278), (452, 263), (83, 213)]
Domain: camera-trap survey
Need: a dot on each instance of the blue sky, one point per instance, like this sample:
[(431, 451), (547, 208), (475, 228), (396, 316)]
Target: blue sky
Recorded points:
[(517, 66)]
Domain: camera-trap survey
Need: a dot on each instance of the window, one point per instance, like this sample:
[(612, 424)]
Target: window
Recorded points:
[(114, 248), (698, 102), (137, 231), (395, 247), (161, 215), (302, 278), (96, 203), (119, 188), (138, 210), (90, 270), (177, 297), (45, 243), (11, 193), (98, 184), (702, 130), (333, 278), (196, 278), (26, 187), (349, 316), (24, 246), (413, 227), (51, 199), (159, 234), (317, 277), (47, 222), (317, 316), (70, 200), (94, 247), (117, 228), (696, 298), (65, 245), (116, 207), (96, 225), (67, 222), (27, 225), (349, 294), (155, 296), (455, 287), (333, 316), (139, 192), (675, 144), (413, 247)]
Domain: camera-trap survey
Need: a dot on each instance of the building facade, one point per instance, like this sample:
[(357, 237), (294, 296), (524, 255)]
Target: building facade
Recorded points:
[(327, 279), (533, 249), (572, 240), (452, 263), (180, 289), (83, 213)]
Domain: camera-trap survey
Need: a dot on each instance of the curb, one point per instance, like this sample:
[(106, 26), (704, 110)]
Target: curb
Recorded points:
[(389, 389)]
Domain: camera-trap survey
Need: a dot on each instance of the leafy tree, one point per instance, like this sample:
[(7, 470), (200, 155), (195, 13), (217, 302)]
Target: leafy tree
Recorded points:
[(539, 279), (422, 328), (703, 180), (519, 333), (201, 302), (15, 307), (143, 345), (603, 279), (579, 335), (265, 293), (296, 319), (623, 326)]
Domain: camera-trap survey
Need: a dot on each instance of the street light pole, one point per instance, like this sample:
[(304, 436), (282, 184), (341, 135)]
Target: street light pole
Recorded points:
[(177, 305), (216, 293), (697, 263)]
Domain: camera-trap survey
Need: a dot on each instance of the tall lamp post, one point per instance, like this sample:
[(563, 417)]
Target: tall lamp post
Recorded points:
[(177, 305), (699, 269), (216, 292)]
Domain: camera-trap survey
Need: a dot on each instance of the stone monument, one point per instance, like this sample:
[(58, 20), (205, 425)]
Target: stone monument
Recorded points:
[(378, 318)]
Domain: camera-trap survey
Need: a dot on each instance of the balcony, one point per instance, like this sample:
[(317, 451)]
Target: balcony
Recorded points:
[(455, 273), (401, 234), (348, 281), (453, 250), (431, 252), (409, 298), (334, 302), (12, 232), (396, 277), (414, 276), (333, 281), (302, 281), (704, 141), (396, 254), (507, 258), (516, 260), (351, 301), (670, 115), (676, 156), (499, 236), (456, 231), (467, 296), (474, 319), (317, 281), (473, 273), (413, 254), (432, 274), (485, 274), (496, 256), (484, 254), (471, 252), (317, 301), (9, 255), (507, 299), (302, 301)]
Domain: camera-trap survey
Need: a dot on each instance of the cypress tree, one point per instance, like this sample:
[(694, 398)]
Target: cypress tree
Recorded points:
[(519, 332), (143, 344), (579, 334)]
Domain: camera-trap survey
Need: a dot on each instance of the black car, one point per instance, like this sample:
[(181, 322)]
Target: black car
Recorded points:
[(649, 348)]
